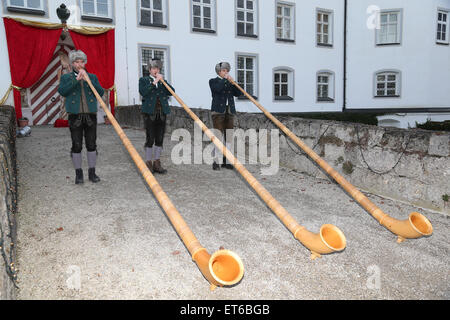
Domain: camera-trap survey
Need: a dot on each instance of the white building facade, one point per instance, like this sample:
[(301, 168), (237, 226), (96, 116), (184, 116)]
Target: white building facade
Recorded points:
[(398, 60), (294, 56)]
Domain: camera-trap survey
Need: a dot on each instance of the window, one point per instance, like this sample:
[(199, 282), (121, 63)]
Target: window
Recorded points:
[(148, 53), (325, 86), (283, 80), (26, 6), (387, 84), (390, 30), (203, 15), (246, 73), (324, 28), (153, 13), (285, 22), (96, 10), (246, 18), (442, 27)]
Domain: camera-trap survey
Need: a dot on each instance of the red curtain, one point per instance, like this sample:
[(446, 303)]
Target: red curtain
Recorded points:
[(100, 53), (30, 51)]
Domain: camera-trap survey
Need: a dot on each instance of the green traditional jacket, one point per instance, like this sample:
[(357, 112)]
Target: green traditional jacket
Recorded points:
[(70, 88), (150, 93)]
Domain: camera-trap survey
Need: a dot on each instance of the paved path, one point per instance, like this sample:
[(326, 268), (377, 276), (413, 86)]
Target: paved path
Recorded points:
[(117, 239)]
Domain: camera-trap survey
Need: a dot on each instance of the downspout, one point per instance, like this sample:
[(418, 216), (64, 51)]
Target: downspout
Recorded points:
[(344, 104)]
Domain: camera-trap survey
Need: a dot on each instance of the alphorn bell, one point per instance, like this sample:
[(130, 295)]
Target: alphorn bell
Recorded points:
[(224, 267), (329, 239), (415, 226)]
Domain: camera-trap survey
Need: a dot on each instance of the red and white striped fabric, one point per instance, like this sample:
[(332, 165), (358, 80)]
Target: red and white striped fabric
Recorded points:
[(43, 97)]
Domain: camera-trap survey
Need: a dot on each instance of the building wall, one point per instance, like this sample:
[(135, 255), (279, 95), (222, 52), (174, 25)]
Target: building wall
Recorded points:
[(5, 80), (193, 56), (424, 65)]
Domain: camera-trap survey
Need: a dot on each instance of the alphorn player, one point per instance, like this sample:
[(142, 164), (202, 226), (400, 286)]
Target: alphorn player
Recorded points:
[(81, 106), (223, 109), (155, 108)]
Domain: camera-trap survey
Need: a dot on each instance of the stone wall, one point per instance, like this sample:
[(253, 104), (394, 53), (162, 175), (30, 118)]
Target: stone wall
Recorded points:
[(8, 202), (410, 165)]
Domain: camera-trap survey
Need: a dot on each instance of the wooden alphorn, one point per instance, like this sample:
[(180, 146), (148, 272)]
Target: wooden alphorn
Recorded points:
[(224, 267), (329, 239), (415, 226)]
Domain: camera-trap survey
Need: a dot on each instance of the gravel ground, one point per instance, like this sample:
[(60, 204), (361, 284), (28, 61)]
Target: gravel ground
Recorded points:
[(112, 240)]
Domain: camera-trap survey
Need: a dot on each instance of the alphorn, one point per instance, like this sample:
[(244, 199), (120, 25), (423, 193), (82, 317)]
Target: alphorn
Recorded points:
[(414, 227), (329, 239), (224, 267)]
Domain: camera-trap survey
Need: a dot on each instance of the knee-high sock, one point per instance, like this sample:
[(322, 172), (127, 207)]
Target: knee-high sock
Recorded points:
[(148, 154), (76, 160), (92, 159), (158, 151)]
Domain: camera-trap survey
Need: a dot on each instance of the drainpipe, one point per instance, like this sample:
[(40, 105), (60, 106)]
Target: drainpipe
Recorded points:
[(344, 105)]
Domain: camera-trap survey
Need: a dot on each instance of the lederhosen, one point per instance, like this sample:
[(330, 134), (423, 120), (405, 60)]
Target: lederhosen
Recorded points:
[(155, 125), (223, 121), (83, 124)]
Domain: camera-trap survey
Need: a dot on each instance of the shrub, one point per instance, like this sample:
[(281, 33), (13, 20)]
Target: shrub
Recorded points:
[(434, 125)]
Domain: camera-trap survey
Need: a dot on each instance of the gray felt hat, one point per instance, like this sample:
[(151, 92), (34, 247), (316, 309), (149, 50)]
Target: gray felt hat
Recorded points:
[(222, 65), (155, 63), (77, 55)]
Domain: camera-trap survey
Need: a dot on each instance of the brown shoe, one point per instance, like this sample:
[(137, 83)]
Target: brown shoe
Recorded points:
[(149, 165), (157, 167)]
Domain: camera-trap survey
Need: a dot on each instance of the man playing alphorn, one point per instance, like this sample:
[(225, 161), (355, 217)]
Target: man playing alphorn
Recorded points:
[(155, 108), (81, 105), (223, 109)]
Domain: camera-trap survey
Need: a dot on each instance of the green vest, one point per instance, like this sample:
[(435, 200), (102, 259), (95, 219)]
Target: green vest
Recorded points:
[(70, 88), (150, 93)]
